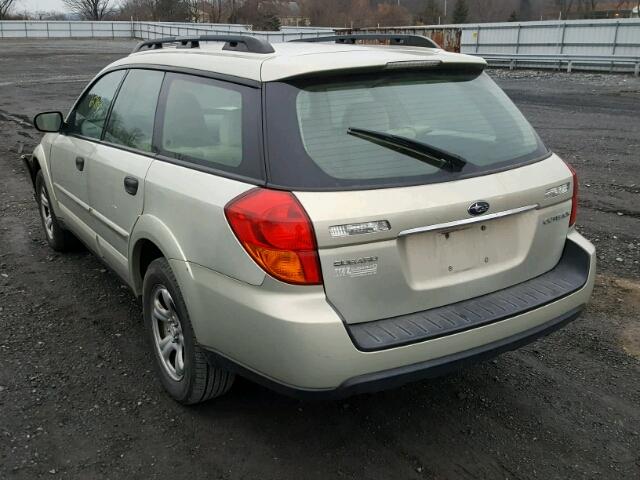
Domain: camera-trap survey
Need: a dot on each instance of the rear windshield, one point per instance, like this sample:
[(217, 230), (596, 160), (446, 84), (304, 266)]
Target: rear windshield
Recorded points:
[(465, 114)]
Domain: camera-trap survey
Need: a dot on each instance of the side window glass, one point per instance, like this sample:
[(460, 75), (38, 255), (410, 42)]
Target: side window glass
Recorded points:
[(132, 116), (90, 114), (203, 122)]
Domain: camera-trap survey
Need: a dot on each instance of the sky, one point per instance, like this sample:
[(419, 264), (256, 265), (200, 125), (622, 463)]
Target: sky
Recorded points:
[(38, 5)]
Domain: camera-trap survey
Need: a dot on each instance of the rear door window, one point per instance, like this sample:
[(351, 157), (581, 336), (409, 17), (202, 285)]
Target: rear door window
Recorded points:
[(131, 120), (88, 118), (210, 123)]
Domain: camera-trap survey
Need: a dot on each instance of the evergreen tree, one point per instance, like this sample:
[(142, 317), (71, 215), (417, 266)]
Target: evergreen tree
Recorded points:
[(513, 17), (460, 12)]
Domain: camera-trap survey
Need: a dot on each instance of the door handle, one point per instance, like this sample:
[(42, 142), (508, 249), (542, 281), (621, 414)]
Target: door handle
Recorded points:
[(80, 163), (131, 185)]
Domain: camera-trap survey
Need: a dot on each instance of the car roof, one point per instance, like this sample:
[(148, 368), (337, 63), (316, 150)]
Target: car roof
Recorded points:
[(290, 59)]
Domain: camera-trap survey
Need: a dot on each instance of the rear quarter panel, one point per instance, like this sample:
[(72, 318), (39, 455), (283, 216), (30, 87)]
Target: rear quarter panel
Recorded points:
[(184, 216)]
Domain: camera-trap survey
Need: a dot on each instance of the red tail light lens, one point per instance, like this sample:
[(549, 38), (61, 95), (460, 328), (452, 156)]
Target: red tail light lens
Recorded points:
[(574, 198), (275, 230)]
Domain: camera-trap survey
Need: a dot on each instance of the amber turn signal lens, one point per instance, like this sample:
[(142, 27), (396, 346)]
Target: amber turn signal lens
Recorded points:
[(574, 196), (276, 232)]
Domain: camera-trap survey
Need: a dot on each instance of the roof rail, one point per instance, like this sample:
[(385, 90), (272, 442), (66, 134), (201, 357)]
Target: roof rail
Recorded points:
[(238, 43), (407, 40)]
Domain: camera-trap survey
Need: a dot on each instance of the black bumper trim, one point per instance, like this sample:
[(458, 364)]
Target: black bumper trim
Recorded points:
[(433, 368), (568, 276), (374, 382)]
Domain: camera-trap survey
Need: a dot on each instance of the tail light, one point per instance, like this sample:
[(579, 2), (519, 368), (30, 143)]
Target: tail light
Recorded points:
[(574, 197), (276, 232)]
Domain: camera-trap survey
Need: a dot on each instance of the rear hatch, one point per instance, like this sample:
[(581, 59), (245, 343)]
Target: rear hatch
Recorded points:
[(430, 256), (449, 195)]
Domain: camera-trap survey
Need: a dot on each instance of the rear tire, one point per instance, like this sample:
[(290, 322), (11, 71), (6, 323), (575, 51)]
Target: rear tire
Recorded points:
[(58, 238), (183, 368)]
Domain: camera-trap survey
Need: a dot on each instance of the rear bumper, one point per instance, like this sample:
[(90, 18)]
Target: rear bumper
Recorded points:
[(293, 341), (568, 276), (395, 377)]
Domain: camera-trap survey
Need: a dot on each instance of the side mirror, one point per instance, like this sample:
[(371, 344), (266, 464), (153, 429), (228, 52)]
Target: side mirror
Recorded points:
[(48, 122)]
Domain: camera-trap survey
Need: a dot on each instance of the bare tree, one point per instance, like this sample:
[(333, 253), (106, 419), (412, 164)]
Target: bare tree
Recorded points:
[(216, 10), (491, 10), (195, 10), (156, 10), (325, 13), (525, 11), (387, 14), (5, 6), (460, 11), (565, 7), (90, 9)]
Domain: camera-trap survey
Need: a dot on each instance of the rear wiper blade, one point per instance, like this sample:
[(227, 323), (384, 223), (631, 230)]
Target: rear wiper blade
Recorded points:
[(420, 151)]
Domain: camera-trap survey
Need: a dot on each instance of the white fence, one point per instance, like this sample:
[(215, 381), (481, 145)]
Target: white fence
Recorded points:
[(64, 29), (151, 30), (573, 37), (612, 45), (142, 30), (108, 29), (608, 45)]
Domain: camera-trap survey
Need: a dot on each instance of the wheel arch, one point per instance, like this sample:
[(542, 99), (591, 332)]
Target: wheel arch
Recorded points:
[(33, 165), (38, 162), (150, 239)]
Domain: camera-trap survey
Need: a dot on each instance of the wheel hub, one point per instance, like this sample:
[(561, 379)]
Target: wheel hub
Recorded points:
[(45, 211), (167, 333)]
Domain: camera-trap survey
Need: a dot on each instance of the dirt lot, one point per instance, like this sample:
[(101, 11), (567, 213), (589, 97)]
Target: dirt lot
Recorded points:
[(78, 400)]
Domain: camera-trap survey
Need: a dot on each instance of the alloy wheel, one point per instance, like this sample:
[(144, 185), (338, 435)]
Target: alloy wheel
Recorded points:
[(167, 333)]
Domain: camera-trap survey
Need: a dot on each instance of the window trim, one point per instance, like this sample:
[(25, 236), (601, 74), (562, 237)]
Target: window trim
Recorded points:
[(355, 188), (82, 96), (167, 156), (268, 137), (115, 99), (155, 116), (247, 82), (260, 146)]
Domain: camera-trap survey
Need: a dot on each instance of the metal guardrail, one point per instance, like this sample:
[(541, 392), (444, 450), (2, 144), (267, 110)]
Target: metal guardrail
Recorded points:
[(65, 29), (151, 30), (572, 37), (611, 63), (602, 45)]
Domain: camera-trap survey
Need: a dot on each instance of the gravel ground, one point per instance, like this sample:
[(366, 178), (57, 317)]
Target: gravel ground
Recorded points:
[(78, 399)]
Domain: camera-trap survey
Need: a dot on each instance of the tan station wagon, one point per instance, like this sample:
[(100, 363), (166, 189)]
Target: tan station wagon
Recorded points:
[(325, 217)]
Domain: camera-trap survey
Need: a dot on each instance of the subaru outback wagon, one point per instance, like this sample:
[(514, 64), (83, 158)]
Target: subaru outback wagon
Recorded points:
[(324, 217)]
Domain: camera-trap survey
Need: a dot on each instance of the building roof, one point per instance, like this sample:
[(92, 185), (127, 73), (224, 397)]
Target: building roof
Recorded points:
[(290, 59)]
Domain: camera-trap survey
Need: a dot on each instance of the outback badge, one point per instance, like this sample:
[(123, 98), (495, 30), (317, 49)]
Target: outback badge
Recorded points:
[(478, 208)]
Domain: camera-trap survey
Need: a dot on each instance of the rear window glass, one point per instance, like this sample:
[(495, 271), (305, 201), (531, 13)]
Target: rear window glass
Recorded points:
[(211, 123), (461, 113)]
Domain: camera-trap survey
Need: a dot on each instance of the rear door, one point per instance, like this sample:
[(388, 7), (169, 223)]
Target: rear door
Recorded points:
[(120, 163)]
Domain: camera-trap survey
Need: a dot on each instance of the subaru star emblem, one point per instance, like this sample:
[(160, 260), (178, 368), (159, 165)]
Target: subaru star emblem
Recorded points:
[(478, 208)]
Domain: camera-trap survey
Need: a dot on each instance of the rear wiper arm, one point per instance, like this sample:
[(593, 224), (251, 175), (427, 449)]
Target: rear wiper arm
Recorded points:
[(420, 151)]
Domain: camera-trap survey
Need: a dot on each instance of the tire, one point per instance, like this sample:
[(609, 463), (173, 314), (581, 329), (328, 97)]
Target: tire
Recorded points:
[(58, 238), (184, 371)]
